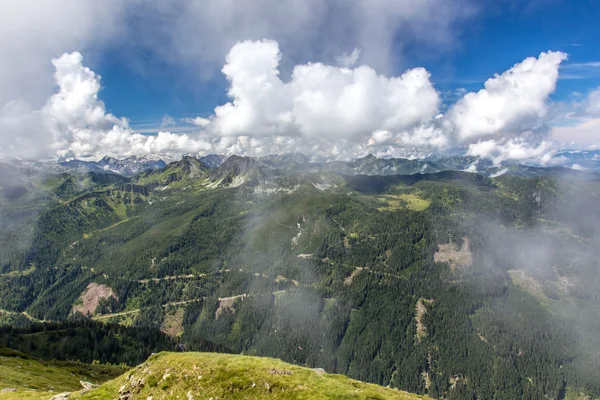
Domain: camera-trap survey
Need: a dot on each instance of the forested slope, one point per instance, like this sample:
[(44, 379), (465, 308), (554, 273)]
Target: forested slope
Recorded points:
[(450, 284)]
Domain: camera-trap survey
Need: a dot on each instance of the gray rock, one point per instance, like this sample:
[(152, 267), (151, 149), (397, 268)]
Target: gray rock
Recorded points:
[(87, 385), (61, 396)]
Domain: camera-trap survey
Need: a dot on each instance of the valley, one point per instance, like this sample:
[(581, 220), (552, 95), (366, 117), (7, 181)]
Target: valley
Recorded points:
[(448, 284)]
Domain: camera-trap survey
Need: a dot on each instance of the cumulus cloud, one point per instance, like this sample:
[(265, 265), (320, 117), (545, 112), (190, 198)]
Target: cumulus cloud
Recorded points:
[(516, 149), (323, 110), (510, 103), (195, 36), (74, 122), (578, 167), (319, 100), (277, 103)]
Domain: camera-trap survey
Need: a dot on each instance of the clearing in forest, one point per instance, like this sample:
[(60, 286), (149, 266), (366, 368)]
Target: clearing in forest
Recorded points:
[(420, 311), (409, 201), (457, 258), (90, 298)]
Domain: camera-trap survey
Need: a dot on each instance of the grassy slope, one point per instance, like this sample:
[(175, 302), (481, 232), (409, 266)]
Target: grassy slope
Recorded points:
[(225, 376), (36, 379)]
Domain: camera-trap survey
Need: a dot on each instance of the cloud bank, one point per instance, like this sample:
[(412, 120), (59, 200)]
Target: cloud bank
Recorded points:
[(326, 110)]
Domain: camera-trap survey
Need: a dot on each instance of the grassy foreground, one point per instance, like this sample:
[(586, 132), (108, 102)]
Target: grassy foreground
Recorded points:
[(24, 377), (224, 376)]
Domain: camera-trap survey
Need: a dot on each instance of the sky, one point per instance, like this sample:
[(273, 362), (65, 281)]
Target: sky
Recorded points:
[(505, 79)]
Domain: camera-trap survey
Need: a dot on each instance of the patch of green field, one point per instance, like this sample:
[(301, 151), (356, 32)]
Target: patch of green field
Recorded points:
[(35, 379), (575, 394), (529, 285), (408, 201), (226, 376), (24, 272)]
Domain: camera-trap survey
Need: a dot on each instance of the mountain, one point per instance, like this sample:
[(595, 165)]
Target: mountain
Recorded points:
[(462, 163), (450, 284), (237, 170), (585, 160), (130, 166), (212, 161), (284, 164), (126, 167), (176, 173)]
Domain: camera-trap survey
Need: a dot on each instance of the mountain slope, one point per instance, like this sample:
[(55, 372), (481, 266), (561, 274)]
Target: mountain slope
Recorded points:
[(237, 170), (22, 376), (225, 376), (178, 172), (356, 274)]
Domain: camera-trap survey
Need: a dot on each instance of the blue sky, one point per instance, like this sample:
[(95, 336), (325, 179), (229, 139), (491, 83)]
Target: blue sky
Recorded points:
[(501, 35)]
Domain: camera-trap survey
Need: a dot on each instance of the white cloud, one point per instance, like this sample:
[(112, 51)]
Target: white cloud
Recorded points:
[(19, 124), (35, 31), (167, 121), (348, 60), (515, 149), (198, 34), (592, 103), (581, 124), (319, 100), (198, 121), (277, 103), (321, 109), (195, 36), (75, 122), (510, 103), (499, 173)]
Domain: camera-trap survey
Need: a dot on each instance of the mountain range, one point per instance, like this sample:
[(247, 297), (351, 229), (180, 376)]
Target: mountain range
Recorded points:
[(421, 275), (580, 160)]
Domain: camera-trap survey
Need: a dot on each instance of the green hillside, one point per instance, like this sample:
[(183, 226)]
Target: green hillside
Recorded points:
[(24, 377), (448, 284), (221, 376)]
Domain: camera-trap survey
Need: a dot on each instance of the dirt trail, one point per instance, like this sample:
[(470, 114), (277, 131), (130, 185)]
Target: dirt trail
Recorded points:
[(137, 310), (175, 277)]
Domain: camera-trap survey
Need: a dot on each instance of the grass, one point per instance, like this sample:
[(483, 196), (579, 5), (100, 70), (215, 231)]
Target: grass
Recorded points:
[(403, 201), (526, 283), (170, 227), (36, 379), (226, 376), (24, 272)]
